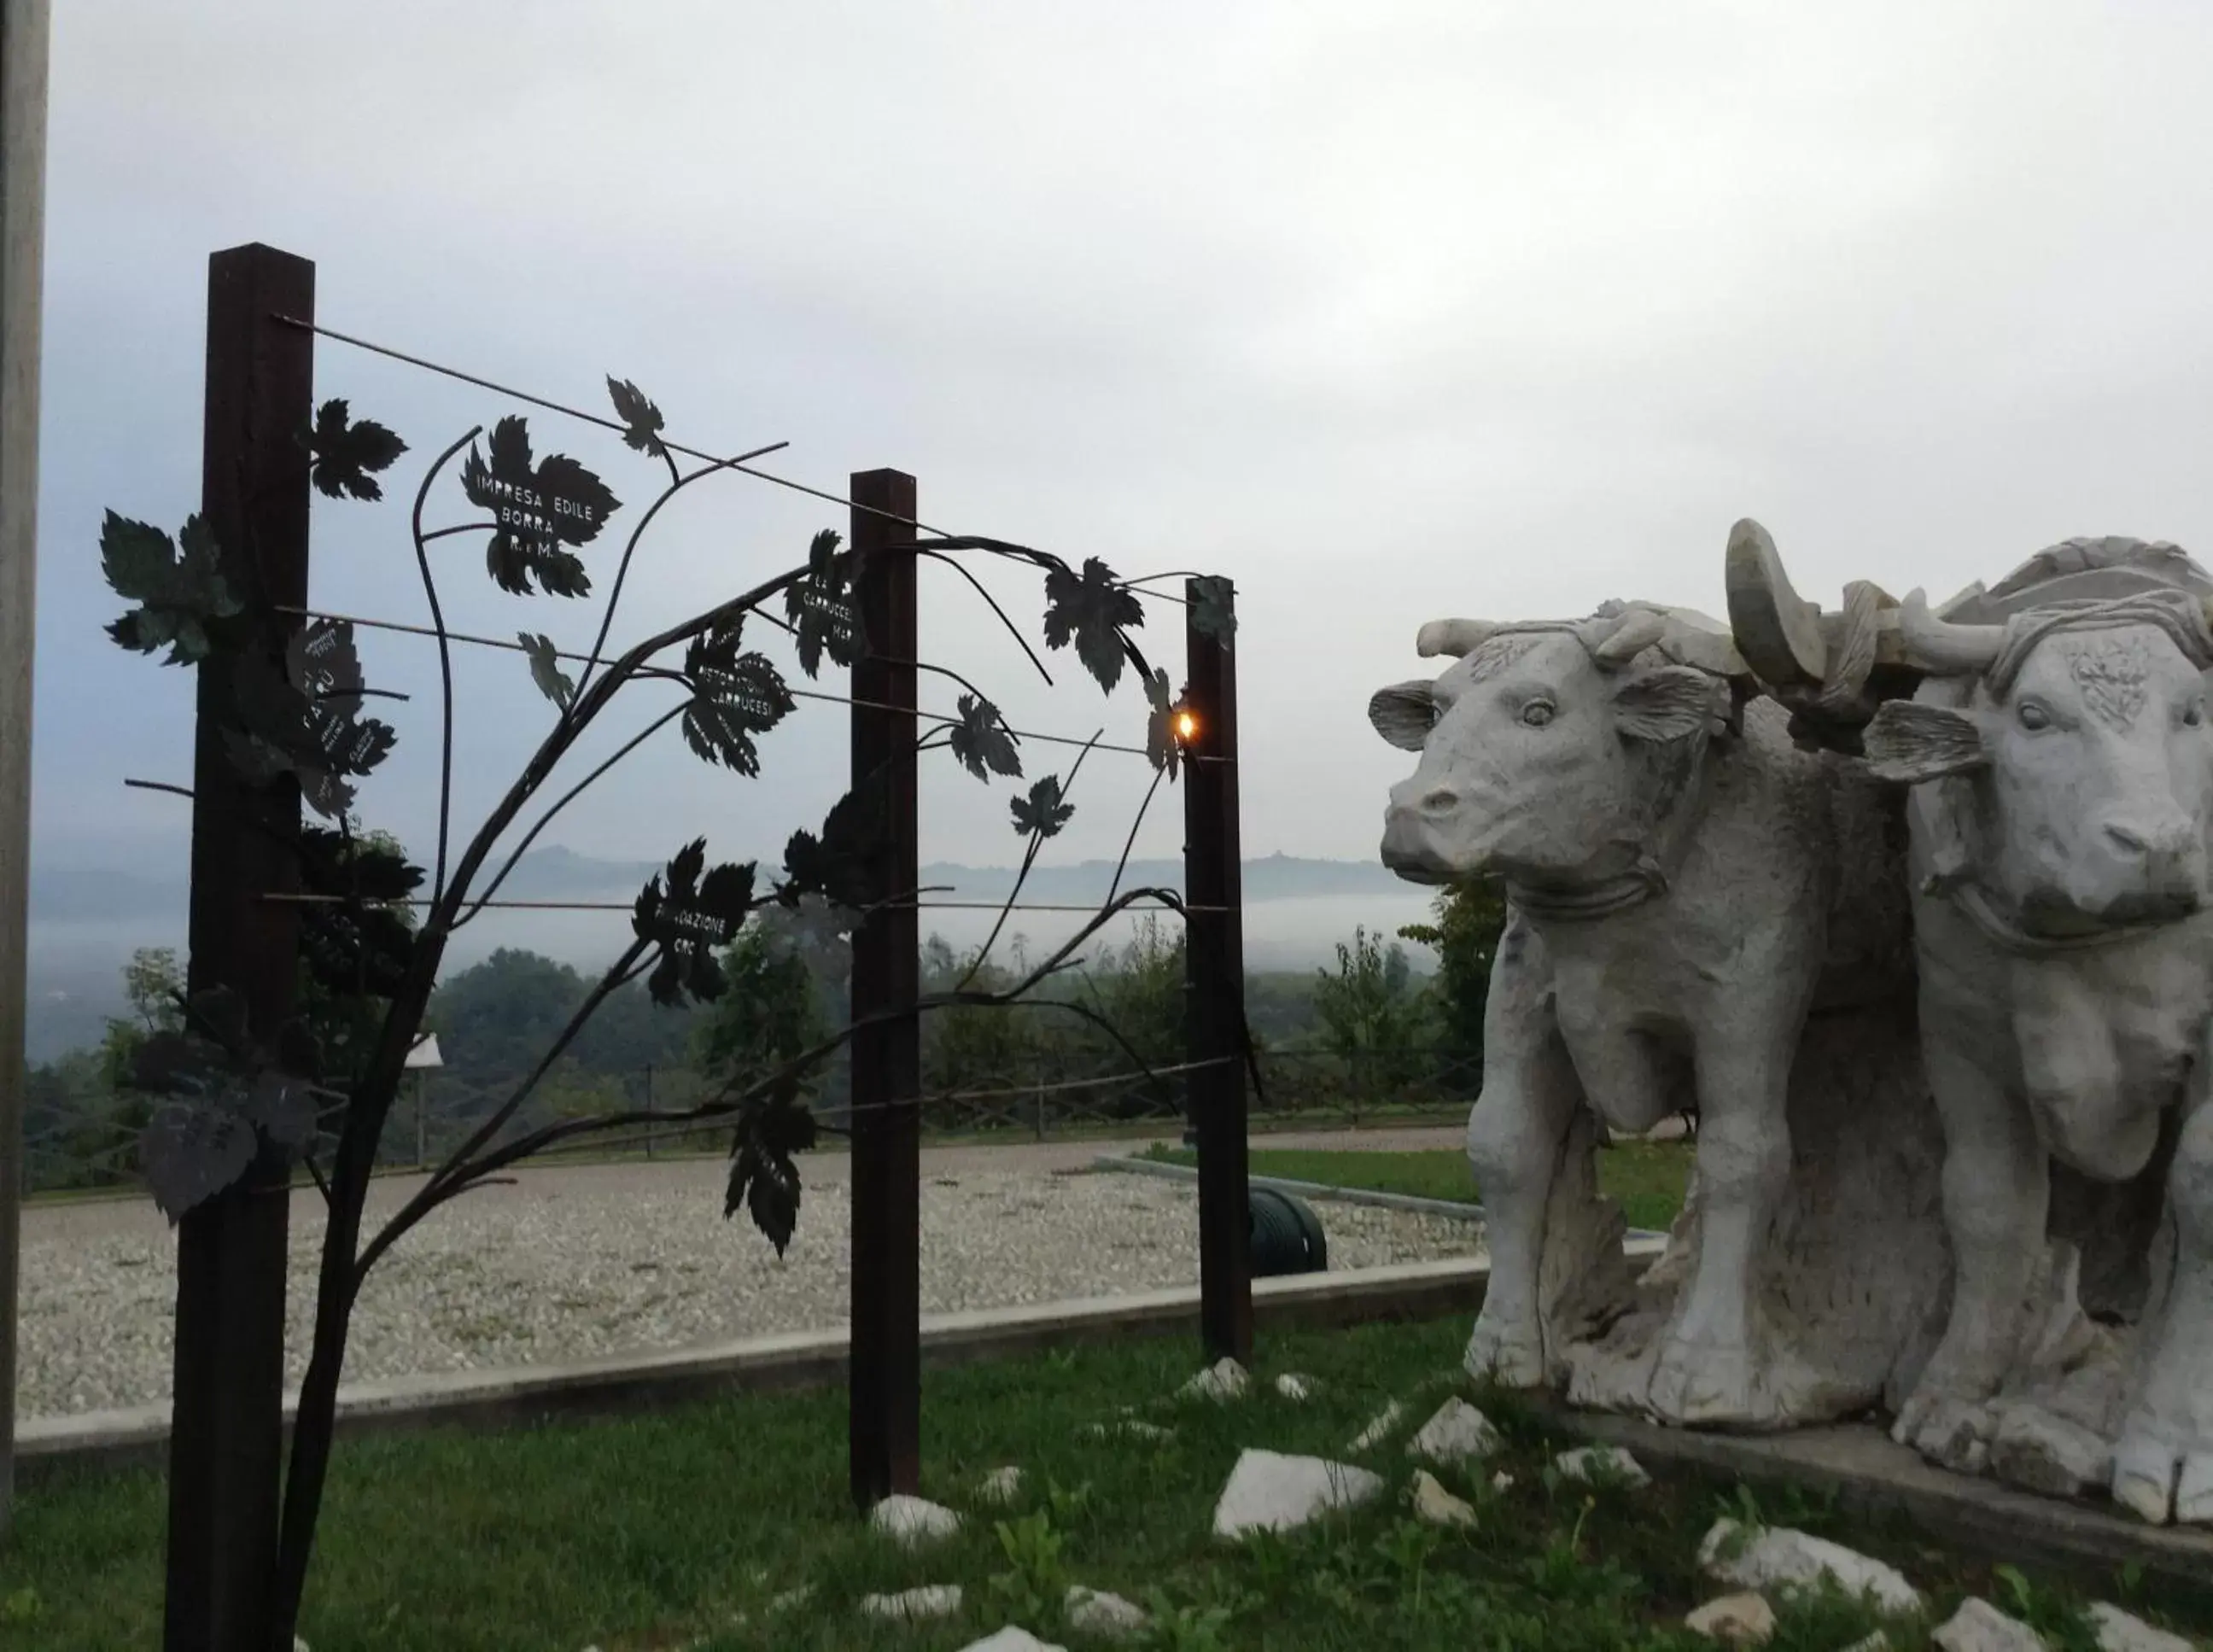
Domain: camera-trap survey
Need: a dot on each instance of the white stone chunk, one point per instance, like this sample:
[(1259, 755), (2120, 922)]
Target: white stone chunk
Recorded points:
[(1502, 1481), (1268, 1491), (1733, 1620), (1001, 1485), (1380, 1427), (1978, 1626), (1223, 1380), (2119, 1631), (792, 1599), (930, 1600), (1457, 1433), (1593, 1463), (1128, 1428), (1095, 1612), (1433, 1504), (913, 1522), (1013, 1638), (1293, 1386), (1874, 1641), (1778, 1557)]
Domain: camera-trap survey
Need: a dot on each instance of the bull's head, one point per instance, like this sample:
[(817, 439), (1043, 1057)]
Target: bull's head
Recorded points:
[(2074, 742), (1546, 751)]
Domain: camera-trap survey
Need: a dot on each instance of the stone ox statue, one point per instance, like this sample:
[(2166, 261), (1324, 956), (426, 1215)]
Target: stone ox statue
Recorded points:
[(2060, 757), (1691, 897)]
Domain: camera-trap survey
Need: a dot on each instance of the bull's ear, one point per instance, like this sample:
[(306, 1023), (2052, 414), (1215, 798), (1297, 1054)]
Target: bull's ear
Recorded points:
[(1664, 703), (1908, 742), (1404, 713)]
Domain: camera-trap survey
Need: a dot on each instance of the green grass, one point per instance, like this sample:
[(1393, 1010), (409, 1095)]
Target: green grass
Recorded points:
[(1647, 1178), (645, 1534)]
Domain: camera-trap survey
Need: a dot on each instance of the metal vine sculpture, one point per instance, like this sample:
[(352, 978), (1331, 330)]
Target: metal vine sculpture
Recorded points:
[(224, 1100)]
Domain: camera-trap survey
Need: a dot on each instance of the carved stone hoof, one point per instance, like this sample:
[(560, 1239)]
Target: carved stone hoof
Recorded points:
[(1510, 1357), (2156, 1481), (1950, 1429), (1697, 1384)]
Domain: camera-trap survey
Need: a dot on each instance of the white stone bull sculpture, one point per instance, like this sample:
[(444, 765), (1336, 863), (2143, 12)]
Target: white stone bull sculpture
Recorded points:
[(2061, 761), (1675, 870)]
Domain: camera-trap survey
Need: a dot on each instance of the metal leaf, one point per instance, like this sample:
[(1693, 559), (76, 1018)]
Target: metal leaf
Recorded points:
[(1162, 746), (819, 607), (539, 510), (1092, 610), (1213, 608), (763, 1177), (641, 418), (555, 684), (179, 586), (982, 740), (190, 1151), (347, 454), (1042, 813), (693, 912), (282, 1105), (836, 865), (733, 697)]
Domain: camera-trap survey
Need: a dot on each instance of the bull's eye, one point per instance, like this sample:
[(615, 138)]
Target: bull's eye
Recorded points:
[(1537, 713), (2034, 715)]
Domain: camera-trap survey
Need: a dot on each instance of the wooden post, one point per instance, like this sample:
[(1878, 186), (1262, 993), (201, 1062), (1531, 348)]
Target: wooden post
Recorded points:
[(226, 1431), (1214, 974), (886, 1422), (22, 259)]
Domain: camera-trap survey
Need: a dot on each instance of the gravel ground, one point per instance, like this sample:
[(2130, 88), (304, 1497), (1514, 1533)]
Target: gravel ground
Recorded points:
[(578, 1261)]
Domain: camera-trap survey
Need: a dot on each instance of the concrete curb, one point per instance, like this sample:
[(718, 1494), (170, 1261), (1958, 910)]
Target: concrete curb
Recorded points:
[(1453, 1207), (1871, 1474), (644, 1380)]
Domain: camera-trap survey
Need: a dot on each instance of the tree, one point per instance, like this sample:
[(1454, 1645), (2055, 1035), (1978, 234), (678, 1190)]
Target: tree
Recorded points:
[(154, 986), (767, 1017), (290, 704), (1471, 916), (1374, 1016)]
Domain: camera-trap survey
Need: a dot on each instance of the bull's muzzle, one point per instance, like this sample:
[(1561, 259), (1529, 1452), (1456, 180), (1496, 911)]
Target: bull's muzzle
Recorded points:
[(1417, 831), (2153, 865)]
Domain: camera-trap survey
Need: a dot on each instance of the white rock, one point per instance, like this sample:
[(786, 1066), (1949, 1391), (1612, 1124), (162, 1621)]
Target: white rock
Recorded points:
[(2118, 1631), (1734, 1619), (1292, 1385), (1433, 1504), (1456, 1433), (1379, 1428), (1778, 1557), (300, 1643), (1502, 1481), (913, 1522), (1001, 1485), (1591, 1463), (1268, 1491), (1095, 1612), (930, 1600), (1013, 1638), (1128, 1428), (1875, 1641), (1978, 1626), (791, 1600), (1223, 1380)]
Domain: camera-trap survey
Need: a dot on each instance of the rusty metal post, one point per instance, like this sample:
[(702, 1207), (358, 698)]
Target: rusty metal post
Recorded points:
[(1214, 974), (226, 1441), (886, 1363)]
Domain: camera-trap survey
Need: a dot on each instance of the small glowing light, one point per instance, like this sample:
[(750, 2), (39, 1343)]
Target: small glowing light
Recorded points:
[(1186, 725)]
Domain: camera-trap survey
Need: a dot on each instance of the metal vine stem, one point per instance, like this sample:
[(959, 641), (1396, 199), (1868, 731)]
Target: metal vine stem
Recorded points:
[(445, 658)]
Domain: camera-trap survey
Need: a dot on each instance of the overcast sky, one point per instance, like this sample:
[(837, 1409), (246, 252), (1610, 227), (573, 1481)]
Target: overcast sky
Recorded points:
[(1387, 311)]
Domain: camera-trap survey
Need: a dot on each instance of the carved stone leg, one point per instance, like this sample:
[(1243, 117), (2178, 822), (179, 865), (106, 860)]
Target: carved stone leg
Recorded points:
[(1515, 1136), (1997, 1192), (2163, 1463), (1706, 1372)]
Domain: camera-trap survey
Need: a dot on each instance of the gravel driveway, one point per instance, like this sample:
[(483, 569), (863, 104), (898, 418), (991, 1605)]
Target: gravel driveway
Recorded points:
[(578, 1260)]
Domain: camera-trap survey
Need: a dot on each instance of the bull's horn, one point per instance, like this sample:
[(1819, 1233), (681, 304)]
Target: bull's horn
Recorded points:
[(1777, 630), (1640, 628), (1458, 637), (1940, 646)]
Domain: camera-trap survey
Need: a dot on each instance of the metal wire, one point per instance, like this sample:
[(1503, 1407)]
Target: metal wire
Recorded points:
[(823, 494), (301, 899), (937, 717)]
